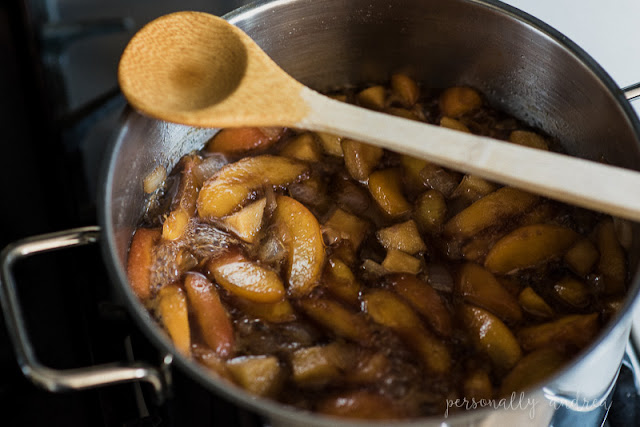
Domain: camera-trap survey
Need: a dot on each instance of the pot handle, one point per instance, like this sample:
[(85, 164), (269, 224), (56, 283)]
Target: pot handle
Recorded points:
[(632, 92), (55, 380)]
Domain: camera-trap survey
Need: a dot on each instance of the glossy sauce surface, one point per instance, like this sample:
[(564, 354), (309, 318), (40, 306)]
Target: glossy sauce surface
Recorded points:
[(345, 279)]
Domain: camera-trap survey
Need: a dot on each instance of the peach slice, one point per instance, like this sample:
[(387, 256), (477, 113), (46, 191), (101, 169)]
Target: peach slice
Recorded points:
[(173, 312), (430, 211), (386, 188), (212, 317), (528, 139), (331, 144), (246, 279), (412, 166), (534, 304), (275, 312), (300, 232), (234, 183), (531, 369), (459, 100), (336, 318), (387, 309), (240, 140), (574, 331), (341, 282), (360, 159), (449, 123), (344, 226), (425, 300), (260, 375), (184, 203), (316, 366), (405, 88), (140, 261), (246, 223), (478, 286), (303, 147), (477, 385), (373, 97), (529, 246), (582, 256), (492, 337), (404, 237), (490, 210), (401, 262)]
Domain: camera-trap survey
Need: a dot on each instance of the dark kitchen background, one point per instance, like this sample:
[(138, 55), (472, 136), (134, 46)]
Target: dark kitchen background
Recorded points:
[(59, 107)]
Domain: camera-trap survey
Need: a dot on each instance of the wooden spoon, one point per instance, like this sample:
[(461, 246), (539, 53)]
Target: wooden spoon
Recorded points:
[(197, 69)]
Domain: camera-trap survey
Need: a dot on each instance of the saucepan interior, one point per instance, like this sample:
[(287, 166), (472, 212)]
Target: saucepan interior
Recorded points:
[(521, 65)]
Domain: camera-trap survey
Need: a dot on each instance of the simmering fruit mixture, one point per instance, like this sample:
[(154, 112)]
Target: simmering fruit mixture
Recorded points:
[(345, 279)]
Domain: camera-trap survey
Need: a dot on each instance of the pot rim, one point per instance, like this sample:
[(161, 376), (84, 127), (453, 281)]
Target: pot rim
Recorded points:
[(271, 408)]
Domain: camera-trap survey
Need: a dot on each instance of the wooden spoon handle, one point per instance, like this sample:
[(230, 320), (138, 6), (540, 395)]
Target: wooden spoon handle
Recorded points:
[(585, 183)]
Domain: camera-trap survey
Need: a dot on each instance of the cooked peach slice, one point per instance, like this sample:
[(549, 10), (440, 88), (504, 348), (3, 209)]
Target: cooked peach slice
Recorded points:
[(478, 286), (492, 337), (184, 203), (401, 262), (300, 232), (572, 291), (405, 88), (528, 139), (404, 237), (402, 112), (612, 262), (260, 375), (247, 222), (477, 385), (425, 300), (315, 366), (360, 159), (303, 147), (449, 123), (276, 312), (430, 211), (173, 312), (411, 166), (337, 318), (531, 369), (373, 97), (140, 261), (234, 183), (490, 210), (457, 101), (574, 331), (361, 404), (582, 256), (341, 282), (386, 188), (472, 188), (240, 140), (529, 246), (246, 278), (212, 317), (389, 310), (534, 304), (331, 144), (342, 225)]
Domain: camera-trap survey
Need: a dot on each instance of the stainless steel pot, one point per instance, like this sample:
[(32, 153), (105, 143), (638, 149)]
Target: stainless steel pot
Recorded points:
[(523, 66)]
